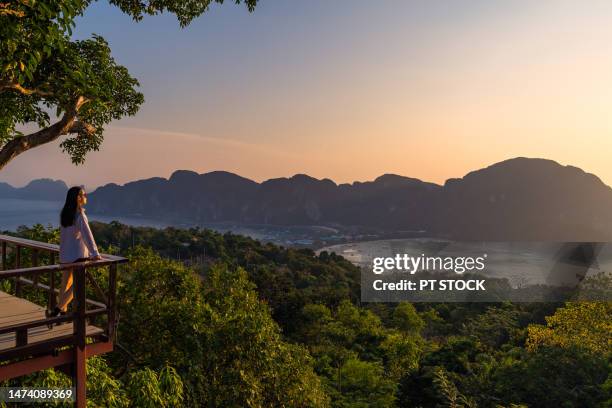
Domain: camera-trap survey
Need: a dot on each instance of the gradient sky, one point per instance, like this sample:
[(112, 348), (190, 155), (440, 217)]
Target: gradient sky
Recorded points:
[(353, 89)]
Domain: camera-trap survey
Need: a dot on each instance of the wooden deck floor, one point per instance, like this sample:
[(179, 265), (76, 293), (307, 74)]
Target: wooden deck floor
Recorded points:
[(15, 310)]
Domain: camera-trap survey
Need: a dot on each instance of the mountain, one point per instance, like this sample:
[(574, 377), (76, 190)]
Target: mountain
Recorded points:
[(526, 199), (41, 189), (518, 199), (186, 196), (389, 202)]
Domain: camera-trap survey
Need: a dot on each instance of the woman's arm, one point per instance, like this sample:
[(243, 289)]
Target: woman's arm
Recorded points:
[(88, 236)]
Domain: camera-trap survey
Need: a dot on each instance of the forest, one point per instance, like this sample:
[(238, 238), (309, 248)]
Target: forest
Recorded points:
[(222, 320)]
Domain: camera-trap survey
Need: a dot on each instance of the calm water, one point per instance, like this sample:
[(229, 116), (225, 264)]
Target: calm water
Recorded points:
[(519, 262), (16, 212)]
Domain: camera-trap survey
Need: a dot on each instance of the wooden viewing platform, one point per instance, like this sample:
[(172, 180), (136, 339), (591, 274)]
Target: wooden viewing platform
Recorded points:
[(29, 341)]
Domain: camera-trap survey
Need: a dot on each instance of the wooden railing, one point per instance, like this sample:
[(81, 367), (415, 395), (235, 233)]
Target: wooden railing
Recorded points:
[(44, 278)]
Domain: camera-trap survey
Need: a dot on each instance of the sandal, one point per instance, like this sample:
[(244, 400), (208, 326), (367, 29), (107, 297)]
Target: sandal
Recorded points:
[(52, 313)]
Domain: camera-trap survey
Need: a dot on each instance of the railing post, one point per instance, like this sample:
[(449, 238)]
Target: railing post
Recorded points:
[(79, 328), (18, 265), (112, 307), (21, 337), (4, 255), (34, 258), (52, 297)]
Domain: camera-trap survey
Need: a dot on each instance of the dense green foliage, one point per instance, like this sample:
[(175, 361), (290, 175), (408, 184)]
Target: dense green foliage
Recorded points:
[(63, 86), (286, 278), (224, 320)]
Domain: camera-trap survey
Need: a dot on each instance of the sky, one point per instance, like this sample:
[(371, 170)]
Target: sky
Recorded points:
[(352, 89)]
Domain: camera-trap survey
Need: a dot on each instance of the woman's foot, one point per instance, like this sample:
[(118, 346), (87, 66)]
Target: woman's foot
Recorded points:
[(52, 313), (62, 313)]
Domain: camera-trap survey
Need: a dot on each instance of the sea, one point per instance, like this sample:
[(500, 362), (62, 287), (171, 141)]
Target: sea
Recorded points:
[(520, 263), (17, 212), (529, 262)]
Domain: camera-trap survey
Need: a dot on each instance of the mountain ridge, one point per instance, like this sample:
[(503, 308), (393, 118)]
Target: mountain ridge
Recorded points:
[(516, 199), (38, 189)]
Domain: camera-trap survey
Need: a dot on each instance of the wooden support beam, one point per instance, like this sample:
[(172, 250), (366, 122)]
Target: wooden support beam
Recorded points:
[(112, 306), (34, 323), (21, 337), (52, 297), (35, 263), (28, 243), (59, 361), (33, 365), (38, 348), (18, 266), (3, 256), (96, 287), (17, 257), (47, 288), (79, 326), (11, 273), (44, 246)]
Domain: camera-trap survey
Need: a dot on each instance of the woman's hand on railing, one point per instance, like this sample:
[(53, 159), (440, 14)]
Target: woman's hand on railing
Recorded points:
[(96, 258)]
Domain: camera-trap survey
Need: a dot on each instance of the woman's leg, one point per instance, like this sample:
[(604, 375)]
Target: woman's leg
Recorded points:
[(66, 291)]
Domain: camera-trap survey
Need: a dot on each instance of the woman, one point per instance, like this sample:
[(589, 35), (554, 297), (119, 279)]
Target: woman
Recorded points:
[(77, 243)]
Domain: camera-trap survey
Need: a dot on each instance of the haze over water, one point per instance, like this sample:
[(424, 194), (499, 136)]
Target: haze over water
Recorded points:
[(17, 212)]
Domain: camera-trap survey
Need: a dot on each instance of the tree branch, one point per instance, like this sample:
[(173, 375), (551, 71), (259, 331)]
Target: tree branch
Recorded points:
[(67, 124), (82, 128), (9, 85), (5, 10)]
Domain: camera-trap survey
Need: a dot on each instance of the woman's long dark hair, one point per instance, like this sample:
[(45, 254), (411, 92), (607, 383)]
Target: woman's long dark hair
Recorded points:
[(70, 207)]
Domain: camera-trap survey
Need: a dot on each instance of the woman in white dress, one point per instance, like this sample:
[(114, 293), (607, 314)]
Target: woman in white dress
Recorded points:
[(77, 243)]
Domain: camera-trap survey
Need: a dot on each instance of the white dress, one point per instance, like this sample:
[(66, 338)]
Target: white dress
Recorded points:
[(77, 241)]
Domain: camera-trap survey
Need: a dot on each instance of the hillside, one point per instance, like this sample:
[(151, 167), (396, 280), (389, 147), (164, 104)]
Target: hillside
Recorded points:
[(517, 199), (222, 316), (41, 189)]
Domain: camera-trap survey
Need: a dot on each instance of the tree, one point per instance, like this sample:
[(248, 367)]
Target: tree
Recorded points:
[(143, 388), (406, 318), (554, 377), (218, 335), (66, 87), (453, 398), (464, 365), (495, 327), (402, 353), (586, 325), (160, 303), (247, 363), (362, 384)]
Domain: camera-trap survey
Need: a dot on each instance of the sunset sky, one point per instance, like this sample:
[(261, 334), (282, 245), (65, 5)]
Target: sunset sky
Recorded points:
[(353, 89)]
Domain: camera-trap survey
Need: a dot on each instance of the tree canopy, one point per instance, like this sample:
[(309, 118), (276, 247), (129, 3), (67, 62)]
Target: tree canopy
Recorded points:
[(59, 86), (210, 319)]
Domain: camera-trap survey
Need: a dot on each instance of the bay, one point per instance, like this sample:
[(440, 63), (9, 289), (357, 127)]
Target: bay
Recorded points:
[(17, 212)]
